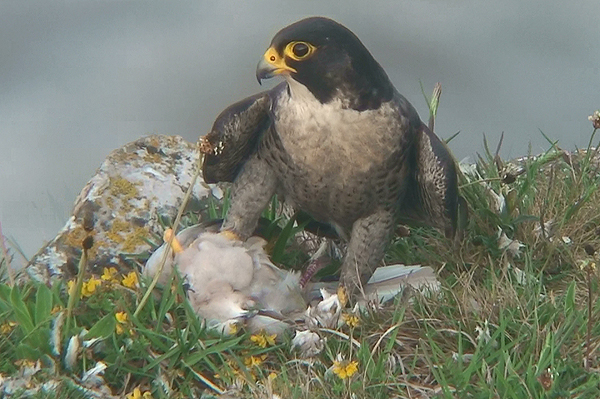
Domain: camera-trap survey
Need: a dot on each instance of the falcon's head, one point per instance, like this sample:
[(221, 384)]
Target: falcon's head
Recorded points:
[(330, 61)]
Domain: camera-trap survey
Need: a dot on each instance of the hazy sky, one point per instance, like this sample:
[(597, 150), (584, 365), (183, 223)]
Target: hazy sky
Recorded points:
[(81, 78)]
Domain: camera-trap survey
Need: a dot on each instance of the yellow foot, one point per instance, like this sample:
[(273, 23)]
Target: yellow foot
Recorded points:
[(230, 235), (168, 236)]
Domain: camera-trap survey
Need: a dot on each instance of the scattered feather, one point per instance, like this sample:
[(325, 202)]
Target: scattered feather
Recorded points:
[(93, 377), (546, 232), (326, 313), (308, 342), (513, 247), (72, 351), (56, 333)]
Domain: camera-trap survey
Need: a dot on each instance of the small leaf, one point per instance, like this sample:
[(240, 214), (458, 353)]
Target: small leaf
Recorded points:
[(22, 314), (43, 304), (103, 328), (26, 351), (570, 298), (4, 292)]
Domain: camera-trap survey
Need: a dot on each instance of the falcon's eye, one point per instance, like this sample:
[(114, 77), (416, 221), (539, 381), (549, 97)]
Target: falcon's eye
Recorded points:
[(299, 50)]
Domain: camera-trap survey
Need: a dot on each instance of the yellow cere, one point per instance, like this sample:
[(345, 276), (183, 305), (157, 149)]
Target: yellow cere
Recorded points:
[(130, 280), (272, 57), (345, 369)]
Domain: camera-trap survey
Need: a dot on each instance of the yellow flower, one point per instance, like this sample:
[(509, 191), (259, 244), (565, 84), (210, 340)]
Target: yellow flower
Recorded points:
[(252, 361), (121, 317), (342, 294), (89, 287), (56, 309), (109, 274), (345, 369), (71, 287), (263, 340), (137, 394), (131, 280), (351, 320), (272, 376), (7, 327)]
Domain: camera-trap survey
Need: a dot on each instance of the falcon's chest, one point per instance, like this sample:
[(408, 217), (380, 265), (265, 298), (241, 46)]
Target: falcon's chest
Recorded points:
[(325, 140)]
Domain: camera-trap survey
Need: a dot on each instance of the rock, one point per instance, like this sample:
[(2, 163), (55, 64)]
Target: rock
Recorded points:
[(121, 207)]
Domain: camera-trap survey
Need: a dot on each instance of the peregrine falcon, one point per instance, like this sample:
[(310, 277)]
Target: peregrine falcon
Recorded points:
[(335, 140)]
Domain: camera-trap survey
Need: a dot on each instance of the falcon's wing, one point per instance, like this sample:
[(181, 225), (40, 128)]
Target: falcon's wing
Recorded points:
[(432, 196), (234, 137)]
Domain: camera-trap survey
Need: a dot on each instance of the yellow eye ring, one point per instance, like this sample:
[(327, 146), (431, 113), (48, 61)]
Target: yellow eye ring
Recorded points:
[(299, 50)]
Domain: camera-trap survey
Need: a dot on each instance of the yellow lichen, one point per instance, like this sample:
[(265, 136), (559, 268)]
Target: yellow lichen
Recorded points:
[(121, 187), (74, 237), (129, 237), (154, 158)]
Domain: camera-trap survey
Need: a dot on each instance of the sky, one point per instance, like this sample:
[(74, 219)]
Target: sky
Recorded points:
[(81, 78)]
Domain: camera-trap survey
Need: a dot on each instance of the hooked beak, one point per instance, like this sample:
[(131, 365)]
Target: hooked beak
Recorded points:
[(271, 64)]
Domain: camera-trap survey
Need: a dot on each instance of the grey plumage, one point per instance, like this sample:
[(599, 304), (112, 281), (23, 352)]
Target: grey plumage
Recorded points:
[(339, 143)]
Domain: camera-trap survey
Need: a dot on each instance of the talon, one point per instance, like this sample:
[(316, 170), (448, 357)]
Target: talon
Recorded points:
[(168, 236), (230, 235)]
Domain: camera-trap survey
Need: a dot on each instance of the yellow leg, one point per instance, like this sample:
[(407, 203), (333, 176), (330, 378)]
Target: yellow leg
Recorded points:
[(230, 234), (169, 237)]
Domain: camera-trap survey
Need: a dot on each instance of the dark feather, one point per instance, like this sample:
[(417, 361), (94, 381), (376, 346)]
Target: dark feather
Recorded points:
[(234, 137)]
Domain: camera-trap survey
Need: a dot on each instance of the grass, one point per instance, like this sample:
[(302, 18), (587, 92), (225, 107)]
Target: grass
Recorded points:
[(517, 316)]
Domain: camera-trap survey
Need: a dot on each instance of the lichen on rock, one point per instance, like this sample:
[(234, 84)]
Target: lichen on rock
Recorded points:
[(122, 205)]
